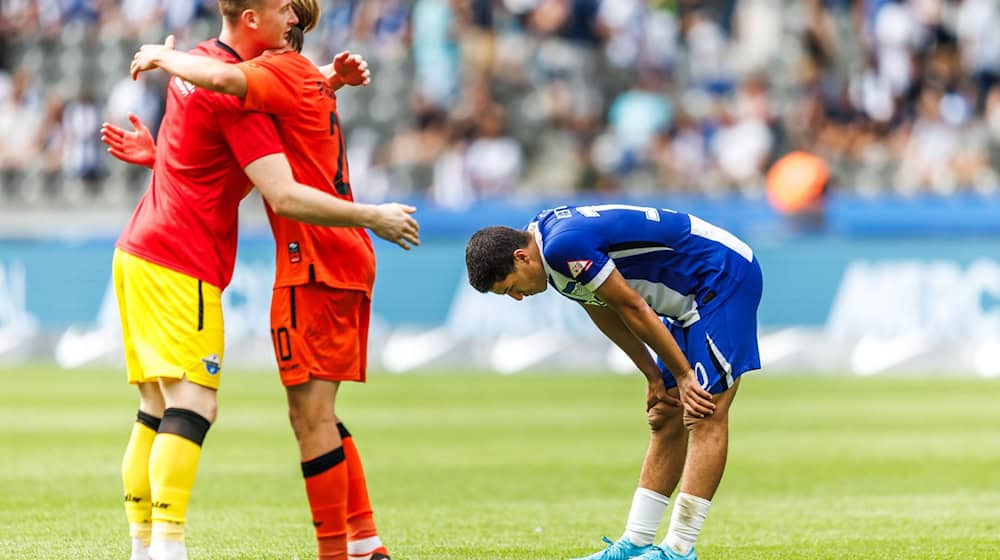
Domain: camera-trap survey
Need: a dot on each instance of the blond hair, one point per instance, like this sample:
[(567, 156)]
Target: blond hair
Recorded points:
[(307, 12)]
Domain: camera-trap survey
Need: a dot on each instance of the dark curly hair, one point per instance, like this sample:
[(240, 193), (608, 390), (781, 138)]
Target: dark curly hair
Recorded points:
[(489, 255)]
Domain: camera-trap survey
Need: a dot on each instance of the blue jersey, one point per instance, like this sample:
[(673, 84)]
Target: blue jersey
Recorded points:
[(681, 265)]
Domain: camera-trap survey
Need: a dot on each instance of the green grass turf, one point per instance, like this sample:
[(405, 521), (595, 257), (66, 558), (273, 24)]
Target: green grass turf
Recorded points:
[(523, 467)]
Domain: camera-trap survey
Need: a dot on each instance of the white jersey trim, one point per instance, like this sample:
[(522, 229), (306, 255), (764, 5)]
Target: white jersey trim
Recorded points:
[(722, 361), (701, 228), (599, 280), (666, 301), (537, 232), (633, 252)]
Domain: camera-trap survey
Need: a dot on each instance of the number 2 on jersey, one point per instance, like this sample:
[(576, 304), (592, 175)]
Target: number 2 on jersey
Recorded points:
[(342, 187)]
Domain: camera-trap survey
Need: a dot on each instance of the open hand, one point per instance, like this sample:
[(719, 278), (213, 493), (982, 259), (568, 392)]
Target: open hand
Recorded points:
[(395, 224), (147, 55), (134, 147)]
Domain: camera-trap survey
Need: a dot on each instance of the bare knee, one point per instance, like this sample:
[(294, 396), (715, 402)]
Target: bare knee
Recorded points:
[(151, 399), (306, 419), (663, 418), (190, 396), (715, 423)]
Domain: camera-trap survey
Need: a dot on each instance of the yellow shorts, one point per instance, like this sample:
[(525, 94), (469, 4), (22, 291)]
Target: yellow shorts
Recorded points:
[(171, 323)]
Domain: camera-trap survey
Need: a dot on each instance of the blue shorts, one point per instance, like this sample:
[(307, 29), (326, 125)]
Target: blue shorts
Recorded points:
[(722, 345)]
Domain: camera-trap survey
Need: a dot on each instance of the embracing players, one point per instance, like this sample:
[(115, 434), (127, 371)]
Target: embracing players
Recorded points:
[(177, 255)]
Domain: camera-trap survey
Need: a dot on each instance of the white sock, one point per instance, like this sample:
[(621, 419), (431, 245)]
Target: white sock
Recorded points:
[(645, 516), (139, 550), (685, 522), (363, 546), (162, 549)]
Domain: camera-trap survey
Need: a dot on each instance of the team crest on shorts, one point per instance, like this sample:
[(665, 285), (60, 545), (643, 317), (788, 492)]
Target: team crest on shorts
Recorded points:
[(212, 364), (578, 267)]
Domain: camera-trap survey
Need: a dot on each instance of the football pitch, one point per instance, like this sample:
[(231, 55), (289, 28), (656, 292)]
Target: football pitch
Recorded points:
[(533, 466)]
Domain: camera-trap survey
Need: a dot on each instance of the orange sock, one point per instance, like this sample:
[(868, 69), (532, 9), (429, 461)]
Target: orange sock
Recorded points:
[(326, 487), (360, 521)]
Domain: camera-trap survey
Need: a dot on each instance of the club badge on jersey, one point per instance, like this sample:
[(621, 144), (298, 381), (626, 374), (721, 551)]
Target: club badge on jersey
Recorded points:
[(578, 267), (212, 363)]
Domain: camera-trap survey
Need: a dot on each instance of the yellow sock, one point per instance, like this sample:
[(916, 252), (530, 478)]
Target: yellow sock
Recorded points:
[(135, 477), (173, 464)]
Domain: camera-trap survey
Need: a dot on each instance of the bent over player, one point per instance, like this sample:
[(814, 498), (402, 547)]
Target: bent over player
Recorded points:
[(648, 276)]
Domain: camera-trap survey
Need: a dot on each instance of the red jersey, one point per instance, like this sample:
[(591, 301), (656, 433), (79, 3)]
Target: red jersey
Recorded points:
[(290, 87), (187, 219)]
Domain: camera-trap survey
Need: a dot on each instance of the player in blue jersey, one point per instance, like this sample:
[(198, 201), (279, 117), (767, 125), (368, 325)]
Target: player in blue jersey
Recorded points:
[(648, 276)]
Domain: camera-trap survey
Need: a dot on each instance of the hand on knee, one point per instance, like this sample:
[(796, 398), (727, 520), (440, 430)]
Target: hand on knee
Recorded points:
[(662, 416), (717, 421)]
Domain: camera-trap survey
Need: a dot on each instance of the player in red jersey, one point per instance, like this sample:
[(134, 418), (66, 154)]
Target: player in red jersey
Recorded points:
[(321, 302), (177, 254)]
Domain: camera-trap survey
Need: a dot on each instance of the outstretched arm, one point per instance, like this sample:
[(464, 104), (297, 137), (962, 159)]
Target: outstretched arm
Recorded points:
[(202, 71), (215, 75), (643, 321), (272, 175)]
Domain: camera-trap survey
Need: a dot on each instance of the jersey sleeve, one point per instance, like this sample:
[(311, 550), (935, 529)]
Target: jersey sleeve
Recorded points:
[(250, 135), (269, 87), (580, 255)]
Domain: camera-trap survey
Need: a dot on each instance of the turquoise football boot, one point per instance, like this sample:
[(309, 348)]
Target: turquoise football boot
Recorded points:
[(621, 550), (657, 553)]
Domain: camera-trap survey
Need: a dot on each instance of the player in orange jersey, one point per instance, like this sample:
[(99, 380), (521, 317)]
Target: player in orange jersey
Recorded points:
[(177, 255), (321, 301)]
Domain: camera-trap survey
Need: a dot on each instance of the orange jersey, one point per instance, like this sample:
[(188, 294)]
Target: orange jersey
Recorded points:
[(290, 87)]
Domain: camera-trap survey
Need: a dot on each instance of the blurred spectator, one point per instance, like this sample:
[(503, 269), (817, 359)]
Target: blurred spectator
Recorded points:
[(21, 114), (143, 18), (976, 26), (493, 159), (435, 51), (637, 115), (82, 148)]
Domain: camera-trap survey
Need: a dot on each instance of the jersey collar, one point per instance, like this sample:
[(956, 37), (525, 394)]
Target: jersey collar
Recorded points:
[(228, 49), (537, 232)]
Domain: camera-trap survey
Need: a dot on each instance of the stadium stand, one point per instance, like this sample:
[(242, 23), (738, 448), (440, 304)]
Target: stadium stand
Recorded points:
[(478, 98)]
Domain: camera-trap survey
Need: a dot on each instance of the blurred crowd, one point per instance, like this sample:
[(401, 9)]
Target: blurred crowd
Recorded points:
[(479, 98)]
